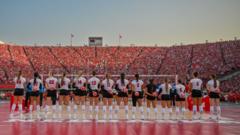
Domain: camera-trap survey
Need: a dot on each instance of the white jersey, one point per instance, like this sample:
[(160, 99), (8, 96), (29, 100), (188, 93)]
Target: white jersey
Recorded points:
[(196, 84), (52, 83), (36, 85), (108, 84), (211, 87), (137, 85), (79, 82), (180, 89), (19, 83), (94, 82), (122, 86), (165, 90), (65, 83)]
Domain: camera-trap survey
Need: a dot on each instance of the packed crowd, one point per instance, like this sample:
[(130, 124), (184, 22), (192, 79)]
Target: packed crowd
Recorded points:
[(208, 58)]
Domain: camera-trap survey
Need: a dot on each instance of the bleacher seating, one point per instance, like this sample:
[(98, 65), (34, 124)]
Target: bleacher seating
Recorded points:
[(207, 58)]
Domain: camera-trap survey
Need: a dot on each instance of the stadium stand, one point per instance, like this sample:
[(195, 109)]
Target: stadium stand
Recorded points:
[(207, 58)]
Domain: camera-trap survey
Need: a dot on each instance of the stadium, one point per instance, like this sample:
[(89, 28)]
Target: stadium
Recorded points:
[(115, 87)]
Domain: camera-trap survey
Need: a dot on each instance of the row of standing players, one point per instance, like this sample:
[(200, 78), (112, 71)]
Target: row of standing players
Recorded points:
[(92, 87)]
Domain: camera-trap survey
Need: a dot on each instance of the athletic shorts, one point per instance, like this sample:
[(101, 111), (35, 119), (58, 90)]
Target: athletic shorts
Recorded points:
[(91, 93), (79, 92), (214, 95), (196, 93), (165, 97), (178, 98), (35, 93), (106, 94), (151, 97), (122, 94), (18, 92), (51, 93), (138, 97), (64, 92)]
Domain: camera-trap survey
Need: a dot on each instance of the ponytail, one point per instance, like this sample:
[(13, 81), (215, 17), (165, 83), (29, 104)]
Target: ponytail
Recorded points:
[(122, 76), (214, 81), (19, 75), (166, 85), (137, 77), (62, 79), (35, 78)]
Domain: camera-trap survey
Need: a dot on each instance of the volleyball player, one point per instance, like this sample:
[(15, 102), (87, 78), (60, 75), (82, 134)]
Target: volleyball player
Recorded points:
[(164, 95), (137, 95), (51, 84), (107, 92), (195, 86), (180, 99), (18, 93), (94, 86), (122, 86), (64, 95), (35, 83), (214, 91), (80, 93), (151, 93)]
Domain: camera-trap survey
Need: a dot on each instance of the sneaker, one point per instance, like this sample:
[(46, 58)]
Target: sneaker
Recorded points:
[(104, 116), (59, 115), (75, 116), (156, 116), (148, 116), (115, 116), (83, 116), (21, 116), (69, 116), (11, 116), (133, 117), (110, 116), (54, 116), (38, 116), (126, 116), (91, 116)]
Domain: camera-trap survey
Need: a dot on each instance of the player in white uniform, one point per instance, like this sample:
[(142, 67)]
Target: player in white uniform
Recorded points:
[(94, 87), (18, 93), (164, 95), (137, 95), (180, 100), (195, 86), (213, 87), (64, 95), (35, 83), (107, 92), (80, 93), (51, 84), (122, 86)]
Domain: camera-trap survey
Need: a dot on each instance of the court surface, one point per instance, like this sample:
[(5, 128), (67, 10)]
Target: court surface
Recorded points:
[(228, 125)]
